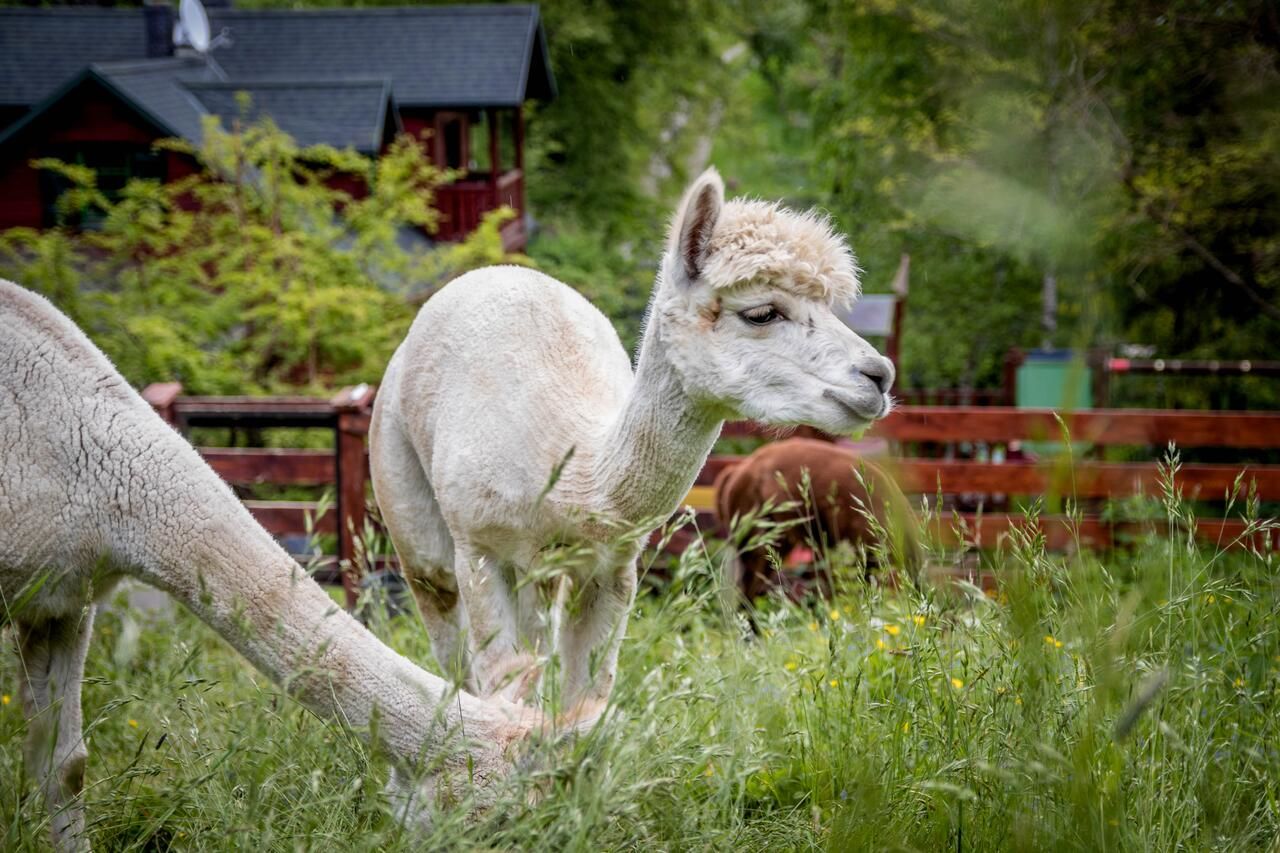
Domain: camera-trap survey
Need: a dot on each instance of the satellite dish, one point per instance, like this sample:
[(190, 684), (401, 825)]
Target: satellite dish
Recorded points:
[(195, 24)]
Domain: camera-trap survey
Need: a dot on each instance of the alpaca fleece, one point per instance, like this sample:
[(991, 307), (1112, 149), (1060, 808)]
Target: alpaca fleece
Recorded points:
[(95, 486)]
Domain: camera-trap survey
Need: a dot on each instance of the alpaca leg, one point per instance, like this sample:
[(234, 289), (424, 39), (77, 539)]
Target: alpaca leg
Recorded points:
[(500, 664), (594, 623), (52, 659), (422, 541)]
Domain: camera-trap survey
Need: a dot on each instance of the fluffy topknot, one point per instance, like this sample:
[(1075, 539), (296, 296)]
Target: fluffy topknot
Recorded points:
[(799, 252)]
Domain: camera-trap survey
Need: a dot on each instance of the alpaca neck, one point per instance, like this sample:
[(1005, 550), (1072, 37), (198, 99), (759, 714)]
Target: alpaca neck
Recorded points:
[(238, 581), (659, 441)]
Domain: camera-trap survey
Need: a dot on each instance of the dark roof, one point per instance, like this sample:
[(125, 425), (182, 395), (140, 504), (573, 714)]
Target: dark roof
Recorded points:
[(436, 56), (175, 95), (41, 48), (154, 89), (315, 112), (158, 89)]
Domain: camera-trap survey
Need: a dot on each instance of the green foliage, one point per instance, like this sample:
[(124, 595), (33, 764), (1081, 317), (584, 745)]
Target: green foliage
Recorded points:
[(1125, 153), (635, 81), (273, 267), (617, 285)]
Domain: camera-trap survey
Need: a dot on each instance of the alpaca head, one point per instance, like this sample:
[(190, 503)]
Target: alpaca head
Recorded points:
[(745, 312)]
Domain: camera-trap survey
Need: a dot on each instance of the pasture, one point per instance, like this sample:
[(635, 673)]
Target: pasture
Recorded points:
[(1120, 701)]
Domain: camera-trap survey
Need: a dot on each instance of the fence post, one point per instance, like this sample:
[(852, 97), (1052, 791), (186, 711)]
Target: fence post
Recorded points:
[(901, 284), (1012, 361), (1098, 358), (162, 397), (352, 409)]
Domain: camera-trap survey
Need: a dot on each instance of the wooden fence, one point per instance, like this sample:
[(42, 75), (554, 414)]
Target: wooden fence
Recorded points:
[(345, 467), (909, 431), (911, 428)]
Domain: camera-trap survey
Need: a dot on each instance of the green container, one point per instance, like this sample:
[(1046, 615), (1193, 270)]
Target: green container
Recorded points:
[(1054, 379)]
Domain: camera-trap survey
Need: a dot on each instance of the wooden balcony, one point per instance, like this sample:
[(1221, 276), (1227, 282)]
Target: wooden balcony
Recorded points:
[(464, 203)]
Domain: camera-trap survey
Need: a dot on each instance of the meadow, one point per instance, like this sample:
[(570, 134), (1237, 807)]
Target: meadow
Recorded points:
[(1125, 701)]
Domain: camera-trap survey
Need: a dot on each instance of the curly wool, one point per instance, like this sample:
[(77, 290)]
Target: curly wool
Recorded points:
[(797, 252)]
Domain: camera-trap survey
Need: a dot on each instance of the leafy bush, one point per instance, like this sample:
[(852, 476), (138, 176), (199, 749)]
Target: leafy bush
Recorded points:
[(263, 271)]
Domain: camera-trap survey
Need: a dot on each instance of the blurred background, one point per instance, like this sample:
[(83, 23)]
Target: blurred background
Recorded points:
[(1094, 179)]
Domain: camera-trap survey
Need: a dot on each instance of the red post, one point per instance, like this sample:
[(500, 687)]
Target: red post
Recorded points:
[(495, 166), (1012, 361), (352, 406), (163, 397), (520, 137)]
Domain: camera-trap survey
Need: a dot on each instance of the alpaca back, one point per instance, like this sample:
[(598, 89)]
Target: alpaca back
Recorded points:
[(504, 373), (850, 500)]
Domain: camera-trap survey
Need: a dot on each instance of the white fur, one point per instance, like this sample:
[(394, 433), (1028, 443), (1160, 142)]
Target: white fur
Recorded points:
[(93, 486), (507, 373)]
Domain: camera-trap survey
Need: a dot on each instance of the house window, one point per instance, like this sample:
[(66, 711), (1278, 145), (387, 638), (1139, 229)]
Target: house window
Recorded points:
[(115, 163)]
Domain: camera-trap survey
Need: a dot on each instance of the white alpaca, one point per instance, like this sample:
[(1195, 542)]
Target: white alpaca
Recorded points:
[(506, 371), (93, 486)]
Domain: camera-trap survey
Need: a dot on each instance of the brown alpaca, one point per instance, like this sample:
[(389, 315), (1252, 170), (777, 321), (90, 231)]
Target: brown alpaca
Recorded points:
[(837, 510)]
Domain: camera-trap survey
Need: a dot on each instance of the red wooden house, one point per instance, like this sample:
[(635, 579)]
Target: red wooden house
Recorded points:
[(99, 86)]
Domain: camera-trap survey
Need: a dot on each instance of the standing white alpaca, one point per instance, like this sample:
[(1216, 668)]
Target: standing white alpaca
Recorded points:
[(507, 373), (93, 486)]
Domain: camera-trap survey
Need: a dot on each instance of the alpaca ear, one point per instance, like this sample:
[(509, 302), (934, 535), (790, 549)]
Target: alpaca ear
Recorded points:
[(696, 220)]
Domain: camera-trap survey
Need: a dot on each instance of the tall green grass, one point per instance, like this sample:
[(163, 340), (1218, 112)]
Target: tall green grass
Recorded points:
[(1118, 702)]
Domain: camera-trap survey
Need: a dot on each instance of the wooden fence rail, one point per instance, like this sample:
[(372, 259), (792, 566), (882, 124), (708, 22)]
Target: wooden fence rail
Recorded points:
[(1079, 478), (348, 413)]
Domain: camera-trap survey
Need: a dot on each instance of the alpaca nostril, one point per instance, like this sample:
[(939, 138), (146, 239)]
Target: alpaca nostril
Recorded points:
[(879, 370)]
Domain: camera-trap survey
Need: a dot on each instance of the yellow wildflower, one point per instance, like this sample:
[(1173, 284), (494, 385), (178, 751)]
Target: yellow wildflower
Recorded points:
[(791, 666), (918, 619), (1210, 598), (4, 700), (1052, 641), (710, 771), (906, 726), (835, 682), (835, 615), (813, 626), (1017, 700), (133, 723), (892, 630), (1239, 682), (880, 644), (957, 683)]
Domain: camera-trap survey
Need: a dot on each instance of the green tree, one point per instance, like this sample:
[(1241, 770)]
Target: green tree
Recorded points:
[(1072, 173), (259, 272)]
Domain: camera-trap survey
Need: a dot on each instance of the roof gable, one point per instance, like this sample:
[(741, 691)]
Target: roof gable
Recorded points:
[(167, 113), (173, 96)]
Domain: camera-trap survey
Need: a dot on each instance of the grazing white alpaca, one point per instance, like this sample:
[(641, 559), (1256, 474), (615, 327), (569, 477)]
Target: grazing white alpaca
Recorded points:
[(507, 373), (93, 486)]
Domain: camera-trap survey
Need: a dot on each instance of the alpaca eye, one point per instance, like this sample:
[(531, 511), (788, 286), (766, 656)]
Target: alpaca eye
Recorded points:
[(762, 316)]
